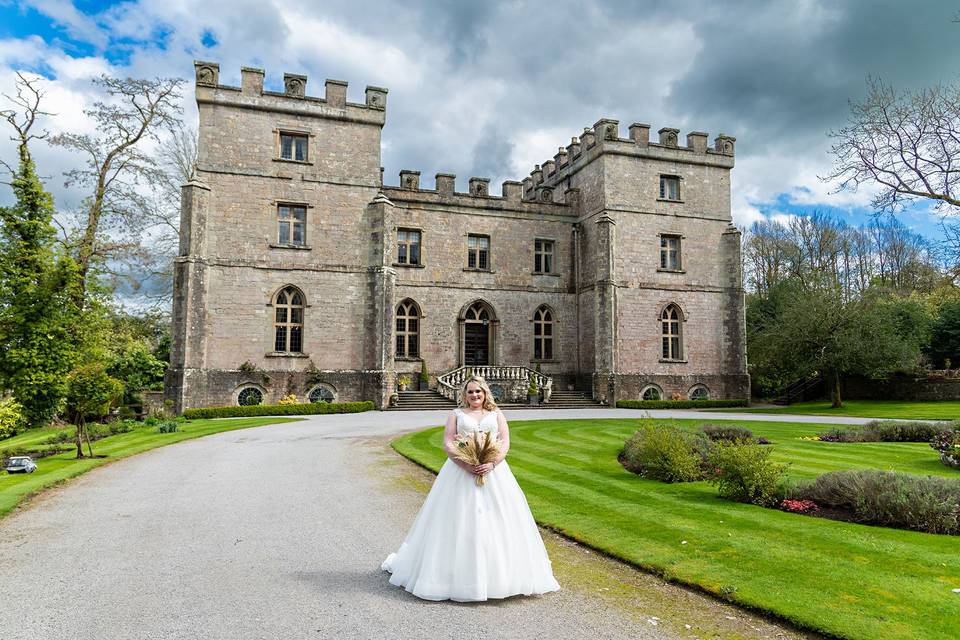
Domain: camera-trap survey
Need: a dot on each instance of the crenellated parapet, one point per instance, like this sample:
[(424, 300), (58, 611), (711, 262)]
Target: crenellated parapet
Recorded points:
[(293, 99), (604, 137), (478, 193)]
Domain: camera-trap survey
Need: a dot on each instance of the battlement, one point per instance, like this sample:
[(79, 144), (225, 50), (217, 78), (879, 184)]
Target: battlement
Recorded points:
[(293, 99), (604, 137), (478, 193)]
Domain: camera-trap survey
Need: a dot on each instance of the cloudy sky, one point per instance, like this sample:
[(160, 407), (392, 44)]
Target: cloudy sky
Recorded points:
[(491, 88)]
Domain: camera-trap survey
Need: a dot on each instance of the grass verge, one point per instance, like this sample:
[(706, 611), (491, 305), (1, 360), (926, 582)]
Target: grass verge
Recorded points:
[(837, 578), (941, 410), (54, 470)]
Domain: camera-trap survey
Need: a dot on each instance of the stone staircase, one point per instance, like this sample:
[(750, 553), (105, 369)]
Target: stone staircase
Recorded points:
[(421, 401), (562, 400), (431, 400)]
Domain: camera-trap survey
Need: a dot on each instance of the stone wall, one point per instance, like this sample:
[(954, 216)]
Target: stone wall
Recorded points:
[(901, 388)]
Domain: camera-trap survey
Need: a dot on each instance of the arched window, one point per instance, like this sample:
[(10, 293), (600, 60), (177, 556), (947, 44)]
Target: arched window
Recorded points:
[(670, 331), (249, 396), (543, 334), (288, 321), (408, 330), (651, 392), (322, 393), (699, 392)]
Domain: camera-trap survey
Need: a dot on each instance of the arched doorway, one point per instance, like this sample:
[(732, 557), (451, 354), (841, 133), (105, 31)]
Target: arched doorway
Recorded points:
[(477, 335)]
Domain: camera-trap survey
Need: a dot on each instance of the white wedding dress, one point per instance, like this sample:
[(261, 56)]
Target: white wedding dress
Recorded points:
[(471, 543)]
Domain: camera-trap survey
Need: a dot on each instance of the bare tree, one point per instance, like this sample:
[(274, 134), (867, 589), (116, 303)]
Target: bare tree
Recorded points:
[(23, 116), (906, 143), (118, 169)]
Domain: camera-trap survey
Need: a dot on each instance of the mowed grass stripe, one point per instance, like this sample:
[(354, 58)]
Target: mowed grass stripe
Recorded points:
[(838, 578)]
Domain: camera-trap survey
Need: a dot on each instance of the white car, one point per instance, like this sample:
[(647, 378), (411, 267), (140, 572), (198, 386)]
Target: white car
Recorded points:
[(21, 464)]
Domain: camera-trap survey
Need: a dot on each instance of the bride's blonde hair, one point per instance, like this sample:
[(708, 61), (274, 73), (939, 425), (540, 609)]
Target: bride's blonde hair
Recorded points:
[(488, 402)]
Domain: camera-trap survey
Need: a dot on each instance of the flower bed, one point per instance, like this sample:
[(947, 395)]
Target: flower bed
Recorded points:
[(886, 498)]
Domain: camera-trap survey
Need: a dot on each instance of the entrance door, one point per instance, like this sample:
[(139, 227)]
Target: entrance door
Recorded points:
[(476, 343), (477, 340)]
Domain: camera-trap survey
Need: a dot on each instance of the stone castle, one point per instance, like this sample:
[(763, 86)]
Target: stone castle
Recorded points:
[(614, 265)]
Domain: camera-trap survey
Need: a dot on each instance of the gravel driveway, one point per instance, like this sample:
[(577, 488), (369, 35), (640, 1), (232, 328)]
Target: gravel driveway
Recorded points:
[(278, 532)]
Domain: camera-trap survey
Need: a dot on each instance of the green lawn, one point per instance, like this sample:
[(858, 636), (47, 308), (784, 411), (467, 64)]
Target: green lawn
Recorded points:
[(841, 579), (943, 410), (56, 469)]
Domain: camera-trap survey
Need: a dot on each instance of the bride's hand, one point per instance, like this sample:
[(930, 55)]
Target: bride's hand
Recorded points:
[(483, 469)]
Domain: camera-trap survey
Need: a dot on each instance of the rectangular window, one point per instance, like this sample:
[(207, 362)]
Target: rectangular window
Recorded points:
[(478, 252), (670, 252), (408, 246), (669, 188), (292, 224), (543, 256), (293, 146)]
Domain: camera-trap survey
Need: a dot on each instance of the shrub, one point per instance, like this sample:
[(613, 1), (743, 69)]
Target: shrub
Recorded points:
[(890, 499), (311, 408), (289, 399), (948, 444), (11, 418), (168, 426), (60, 437), (666, 453), (122, 426), (727, 433), (887, 431), (745, 473), (679, 404)]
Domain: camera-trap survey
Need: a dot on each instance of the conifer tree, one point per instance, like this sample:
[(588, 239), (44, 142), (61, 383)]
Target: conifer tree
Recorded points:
[(38, 344)]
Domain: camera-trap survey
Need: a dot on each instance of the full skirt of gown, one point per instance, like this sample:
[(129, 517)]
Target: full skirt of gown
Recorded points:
[(471, 543)]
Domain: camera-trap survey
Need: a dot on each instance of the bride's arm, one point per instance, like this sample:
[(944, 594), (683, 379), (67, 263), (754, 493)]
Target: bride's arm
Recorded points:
[(503, 435), (449, 436)]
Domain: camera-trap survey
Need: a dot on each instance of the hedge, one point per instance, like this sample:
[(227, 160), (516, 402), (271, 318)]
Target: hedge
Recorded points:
[(679, 404), (302, 409)]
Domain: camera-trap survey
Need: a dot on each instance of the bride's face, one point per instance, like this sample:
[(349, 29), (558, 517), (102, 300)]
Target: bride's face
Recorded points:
[(475, 395)]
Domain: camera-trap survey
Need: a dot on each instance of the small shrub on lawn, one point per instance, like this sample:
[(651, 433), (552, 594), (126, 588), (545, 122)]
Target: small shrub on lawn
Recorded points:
[(666, 453), (122, 426), (61, 437), (727, 433), (799, 506), (679, 404), (889, 499), (168, 426), (310, 408), (745, 473), (887, 431), (151, 421)]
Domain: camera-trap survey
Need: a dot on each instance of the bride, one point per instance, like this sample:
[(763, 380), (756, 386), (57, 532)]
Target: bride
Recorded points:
[(470, 542)]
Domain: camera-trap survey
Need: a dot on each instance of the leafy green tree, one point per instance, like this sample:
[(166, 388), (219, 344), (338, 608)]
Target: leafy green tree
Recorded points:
[(38, 345), (133, 363), (818, 330), (945, 335), (90, 394)]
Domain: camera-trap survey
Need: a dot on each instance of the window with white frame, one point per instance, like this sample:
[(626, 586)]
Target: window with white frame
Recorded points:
[(288, 321), (292, 225), (408, 330), (542, 256), (478, 252), (670, 252), (293, 146), (408, 246), (670, 327), (543, 334), (669, 187)]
